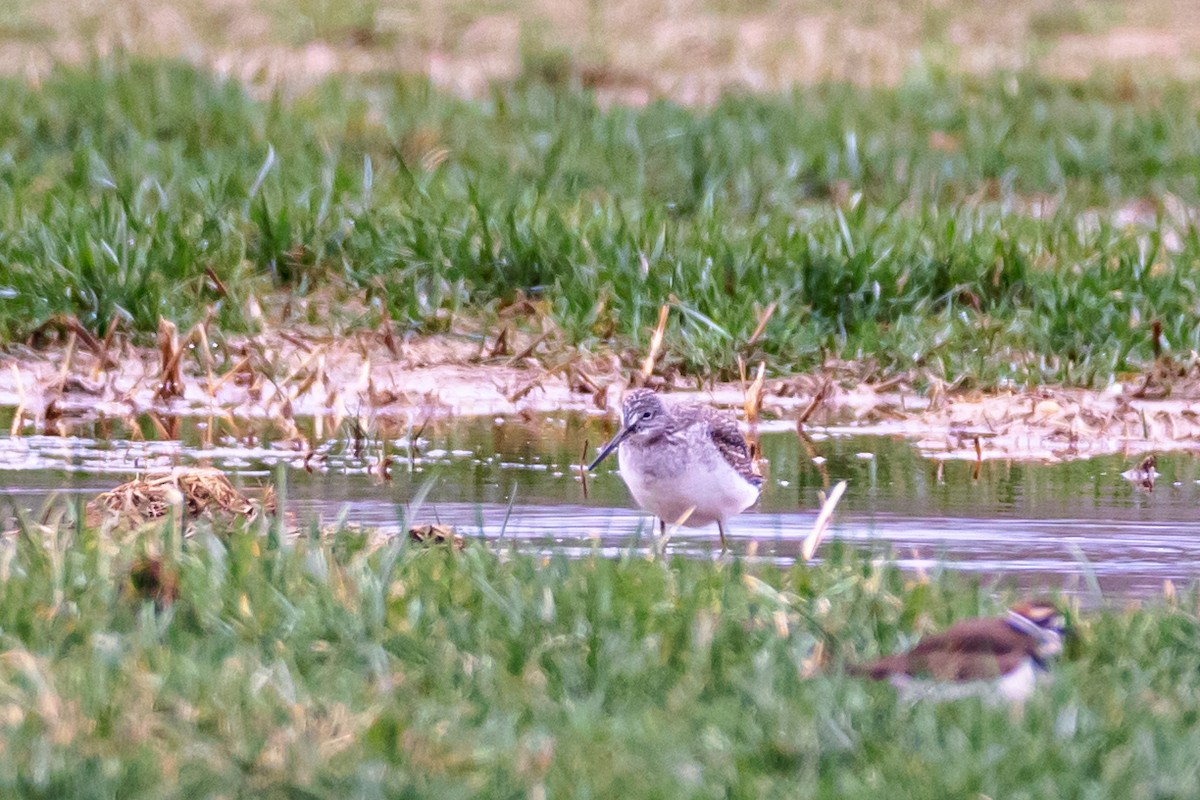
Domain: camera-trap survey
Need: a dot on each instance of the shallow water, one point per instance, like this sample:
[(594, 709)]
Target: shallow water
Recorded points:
[(1031, 524)]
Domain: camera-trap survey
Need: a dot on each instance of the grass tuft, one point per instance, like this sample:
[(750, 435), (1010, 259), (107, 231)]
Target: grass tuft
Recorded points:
[(327, 664), (1007, 229)]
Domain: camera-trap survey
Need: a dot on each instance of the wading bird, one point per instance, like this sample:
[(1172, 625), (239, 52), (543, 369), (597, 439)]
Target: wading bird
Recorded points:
[(683, 463)]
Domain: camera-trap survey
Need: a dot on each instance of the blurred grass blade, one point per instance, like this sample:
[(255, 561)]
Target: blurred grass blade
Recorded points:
[(263, 171), (512, 498)]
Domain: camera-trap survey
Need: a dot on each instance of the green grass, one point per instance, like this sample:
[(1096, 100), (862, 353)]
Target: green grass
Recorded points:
[(886, 223), (324, 668)]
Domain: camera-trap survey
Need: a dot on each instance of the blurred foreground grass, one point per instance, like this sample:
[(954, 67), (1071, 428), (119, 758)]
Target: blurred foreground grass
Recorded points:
[(1011, 228), (324, 667)]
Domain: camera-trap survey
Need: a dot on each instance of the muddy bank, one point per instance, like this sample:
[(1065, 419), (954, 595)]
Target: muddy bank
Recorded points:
[(378, 382), (633, 52)]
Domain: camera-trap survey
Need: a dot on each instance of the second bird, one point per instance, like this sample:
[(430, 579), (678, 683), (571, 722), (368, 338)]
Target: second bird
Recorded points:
[(684, 462)]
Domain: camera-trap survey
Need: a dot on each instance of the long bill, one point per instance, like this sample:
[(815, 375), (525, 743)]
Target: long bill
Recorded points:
[(608, 448)]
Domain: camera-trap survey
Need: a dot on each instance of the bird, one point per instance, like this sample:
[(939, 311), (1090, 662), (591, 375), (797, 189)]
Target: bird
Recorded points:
[(685, 463), (997, 657), (1144, 474)]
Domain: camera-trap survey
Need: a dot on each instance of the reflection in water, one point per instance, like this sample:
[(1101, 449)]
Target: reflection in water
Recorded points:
[(1038, 524)]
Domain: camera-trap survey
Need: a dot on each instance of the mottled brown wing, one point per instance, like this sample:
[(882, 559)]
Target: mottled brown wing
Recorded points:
[(959, 666), (729, 440), (970, 650), (974, 649)]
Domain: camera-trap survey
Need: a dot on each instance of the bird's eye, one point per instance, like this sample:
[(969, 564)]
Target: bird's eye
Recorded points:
[(647, 414)]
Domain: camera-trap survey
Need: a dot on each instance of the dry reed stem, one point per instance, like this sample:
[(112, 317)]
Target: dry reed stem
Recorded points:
[(500, 346), (71, 324), (160, 429), (238, 368), (381, 470), (763, 319), (668, 529), (317, 373), (583, 468), (752, 404), (169, 352), (363, 384), (656, 341), (813, 540), (387, 334), (515, 393), (201, 333), (19, 413), (68, 356), (218, 284), (528, 351), (754, 395), (817, 399), (103, 360), (314, 372)]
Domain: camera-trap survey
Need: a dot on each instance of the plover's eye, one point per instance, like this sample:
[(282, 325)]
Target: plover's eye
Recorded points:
[(647, 414)]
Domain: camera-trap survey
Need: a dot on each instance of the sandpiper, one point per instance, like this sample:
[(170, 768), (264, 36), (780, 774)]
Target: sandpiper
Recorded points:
[(997, 657), (684, 463)]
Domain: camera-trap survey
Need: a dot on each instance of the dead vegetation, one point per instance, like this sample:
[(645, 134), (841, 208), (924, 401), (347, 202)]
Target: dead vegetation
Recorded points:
[(361, 386), (437, 534), (1159, 409), (188, 492), (372, 385)]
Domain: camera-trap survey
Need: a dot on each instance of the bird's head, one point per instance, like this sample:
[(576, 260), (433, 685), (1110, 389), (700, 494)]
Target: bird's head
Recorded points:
[(643, 417), (1043, 620)]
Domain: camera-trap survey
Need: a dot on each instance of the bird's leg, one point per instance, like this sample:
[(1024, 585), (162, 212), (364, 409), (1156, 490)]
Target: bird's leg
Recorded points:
[(662, 527), (721, 530)]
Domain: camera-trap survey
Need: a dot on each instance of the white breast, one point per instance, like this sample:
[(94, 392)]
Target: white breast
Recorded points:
[(1013, 687), (712, 489)]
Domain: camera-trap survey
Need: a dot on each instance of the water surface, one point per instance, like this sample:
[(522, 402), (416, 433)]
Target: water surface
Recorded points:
[(1035, 525)]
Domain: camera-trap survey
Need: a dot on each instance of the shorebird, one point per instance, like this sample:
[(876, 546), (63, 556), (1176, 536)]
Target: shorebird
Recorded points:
[(684, 463), (997, 657), (1144, 474)]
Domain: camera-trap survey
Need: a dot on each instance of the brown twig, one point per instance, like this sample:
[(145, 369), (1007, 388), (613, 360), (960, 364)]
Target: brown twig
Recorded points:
[(528, 351), (170, 378), (218, 284), (500, 346), (814, 404), (763, 319)]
